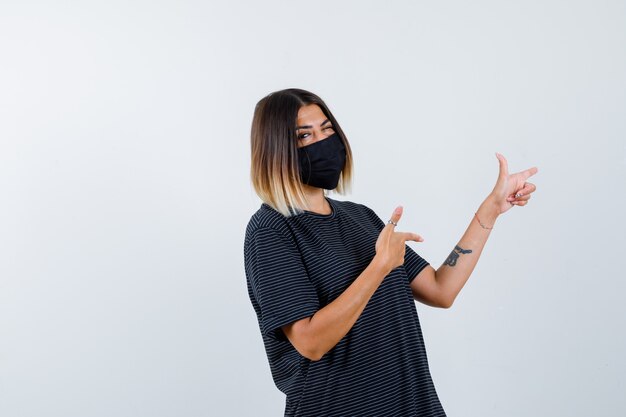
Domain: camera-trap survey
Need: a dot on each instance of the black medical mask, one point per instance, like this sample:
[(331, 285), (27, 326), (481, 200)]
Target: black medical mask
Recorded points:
[(321, 162)]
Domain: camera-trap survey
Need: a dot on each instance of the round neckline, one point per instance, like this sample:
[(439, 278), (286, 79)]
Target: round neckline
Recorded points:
[(333, 211), (313, 214)]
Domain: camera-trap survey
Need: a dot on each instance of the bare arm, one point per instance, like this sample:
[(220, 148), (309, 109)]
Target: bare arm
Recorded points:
[(457, 268), (314, 336), (440, 288)]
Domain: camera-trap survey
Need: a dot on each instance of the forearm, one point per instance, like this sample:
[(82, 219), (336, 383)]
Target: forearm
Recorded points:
[(457, 268), (332, 322)]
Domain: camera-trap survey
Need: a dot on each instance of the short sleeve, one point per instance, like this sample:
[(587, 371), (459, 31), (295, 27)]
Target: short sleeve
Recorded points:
[(413, 263), (278, 281)]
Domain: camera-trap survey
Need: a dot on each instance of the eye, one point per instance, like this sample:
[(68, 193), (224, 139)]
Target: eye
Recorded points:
[(303, 135), (328, 127)]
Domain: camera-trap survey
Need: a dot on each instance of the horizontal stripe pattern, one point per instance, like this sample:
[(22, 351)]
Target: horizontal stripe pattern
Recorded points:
[(294, 267)]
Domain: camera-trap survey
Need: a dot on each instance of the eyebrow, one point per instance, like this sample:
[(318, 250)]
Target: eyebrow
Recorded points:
[(309, 126)]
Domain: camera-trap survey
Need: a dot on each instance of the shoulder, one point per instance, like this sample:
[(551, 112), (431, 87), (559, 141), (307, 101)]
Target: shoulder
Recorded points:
[(267, 235), (352, 206), (266, 218), (349, 206), (359, 212)]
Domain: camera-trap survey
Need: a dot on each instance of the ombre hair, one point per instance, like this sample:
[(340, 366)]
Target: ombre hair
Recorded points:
[(275, 170)]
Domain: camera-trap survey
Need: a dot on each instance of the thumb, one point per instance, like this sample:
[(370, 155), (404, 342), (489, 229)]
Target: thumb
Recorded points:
[(412, 236), (504, 166)]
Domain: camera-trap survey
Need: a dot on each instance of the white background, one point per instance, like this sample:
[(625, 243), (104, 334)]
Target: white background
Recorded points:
[(125, 193)]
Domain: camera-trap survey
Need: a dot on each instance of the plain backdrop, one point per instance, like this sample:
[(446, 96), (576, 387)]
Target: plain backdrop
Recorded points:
[(125, 193)]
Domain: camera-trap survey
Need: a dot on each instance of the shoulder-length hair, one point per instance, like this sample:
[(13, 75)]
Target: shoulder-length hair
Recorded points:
[(275, 170)]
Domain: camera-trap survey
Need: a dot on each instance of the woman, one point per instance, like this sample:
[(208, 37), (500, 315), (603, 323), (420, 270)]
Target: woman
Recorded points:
[(332, 285)]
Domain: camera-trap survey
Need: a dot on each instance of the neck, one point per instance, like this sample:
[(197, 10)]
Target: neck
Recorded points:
[(316, 200)]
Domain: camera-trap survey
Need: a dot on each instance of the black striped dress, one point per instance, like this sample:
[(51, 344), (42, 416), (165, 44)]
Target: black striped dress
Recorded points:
[(297, 265)]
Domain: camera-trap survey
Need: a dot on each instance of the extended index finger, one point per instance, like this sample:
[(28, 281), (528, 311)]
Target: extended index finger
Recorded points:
[(395, 216), (529, 172)]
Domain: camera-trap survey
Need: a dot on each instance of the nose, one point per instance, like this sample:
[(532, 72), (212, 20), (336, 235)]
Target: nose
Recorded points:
[(321, 135)]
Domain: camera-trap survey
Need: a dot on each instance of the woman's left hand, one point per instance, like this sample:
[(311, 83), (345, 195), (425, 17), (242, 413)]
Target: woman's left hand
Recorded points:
[(512, 189)]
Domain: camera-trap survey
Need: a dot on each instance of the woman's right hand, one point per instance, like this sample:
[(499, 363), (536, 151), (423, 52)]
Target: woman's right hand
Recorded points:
[(390, 246)]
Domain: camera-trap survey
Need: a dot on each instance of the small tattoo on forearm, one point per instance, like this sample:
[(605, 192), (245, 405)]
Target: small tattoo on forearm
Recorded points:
[(454, 255)]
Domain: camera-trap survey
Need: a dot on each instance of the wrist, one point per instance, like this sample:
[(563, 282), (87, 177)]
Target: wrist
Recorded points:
[(379, 266), (488, 211)]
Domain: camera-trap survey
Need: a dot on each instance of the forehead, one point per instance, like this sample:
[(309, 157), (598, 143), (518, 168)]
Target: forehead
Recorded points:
[(310, 114)]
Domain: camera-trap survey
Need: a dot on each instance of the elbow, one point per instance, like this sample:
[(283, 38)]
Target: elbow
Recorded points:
[(310, 349), (307, 346), (446, 302), (304, 339), (311, 355), (314, 357)]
